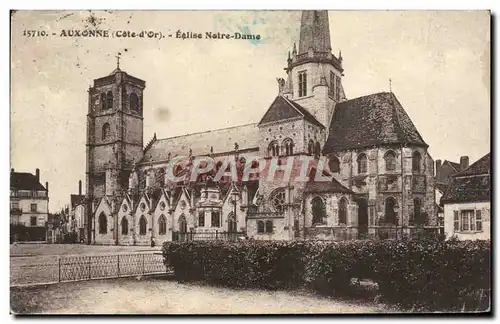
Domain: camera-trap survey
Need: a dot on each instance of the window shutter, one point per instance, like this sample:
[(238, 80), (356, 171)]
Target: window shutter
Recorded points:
[(456, 221)]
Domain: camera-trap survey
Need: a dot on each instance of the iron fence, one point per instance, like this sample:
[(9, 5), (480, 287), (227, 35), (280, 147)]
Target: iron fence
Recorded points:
[(207, 236), (88, 267)]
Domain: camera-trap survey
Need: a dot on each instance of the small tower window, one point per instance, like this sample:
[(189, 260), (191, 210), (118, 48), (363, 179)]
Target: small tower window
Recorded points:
[(103, 101), (337, 88), (417, 159), (332, 84), (134, 102), (109, 100), (106, 131), (302, 84)]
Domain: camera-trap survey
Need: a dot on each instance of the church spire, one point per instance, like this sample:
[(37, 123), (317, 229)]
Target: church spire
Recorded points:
[(314, 32)]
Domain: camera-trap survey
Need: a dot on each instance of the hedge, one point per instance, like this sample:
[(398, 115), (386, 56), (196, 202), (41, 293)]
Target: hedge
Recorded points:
[(421, 274)]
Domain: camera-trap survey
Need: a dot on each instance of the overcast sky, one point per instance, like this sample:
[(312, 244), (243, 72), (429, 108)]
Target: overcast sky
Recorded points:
[(438, 62)]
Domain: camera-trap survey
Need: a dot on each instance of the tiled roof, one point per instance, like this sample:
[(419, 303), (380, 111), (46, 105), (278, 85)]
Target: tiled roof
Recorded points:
[(24, 181), (441, 186), (371, 120), (282, 109), (222, 140), (471, 185), (481, 166), (468, 189)]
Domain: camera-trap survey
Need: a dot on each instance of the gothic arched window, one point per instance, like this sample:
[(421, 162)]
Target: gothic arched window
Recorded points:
[(103, 224), (334, 164), (273, 149), (418, 216), (106, 131), (288, 146), (310, 147), (134, 102), (416, 161), (162, 225), (390, 161), (124, 226), (142, 225), (390, 212), (182, 224), (278, 200), (362, 163), (109, 100), (318, 211), (317, 149), (343, 211)]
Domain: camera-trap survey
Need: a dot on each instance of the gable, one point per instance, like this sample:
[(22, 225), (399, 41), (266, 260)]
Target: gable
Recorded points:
[(283, 109), (103, 207)]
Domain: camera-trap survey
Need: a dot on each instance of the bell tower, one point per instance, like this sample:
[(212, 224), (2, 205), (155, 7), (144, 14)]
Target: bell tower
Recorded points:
[(114, 132), (314, 74)]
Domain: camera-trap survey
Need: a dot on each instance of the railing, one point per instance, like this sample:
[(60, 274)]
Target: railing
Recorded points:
[(207, 236), (54, 269)]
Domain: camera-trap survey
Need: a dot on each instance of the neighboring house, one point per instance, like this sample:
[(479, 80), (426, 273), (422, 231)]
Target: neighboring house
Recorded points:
[(77, 214), (29, 203), (444, 172), (467, 202), (384, 174)]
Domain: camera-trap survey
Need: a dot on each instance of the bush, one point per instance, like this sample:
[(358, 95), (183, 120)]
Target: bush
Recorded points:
[(426, 273)]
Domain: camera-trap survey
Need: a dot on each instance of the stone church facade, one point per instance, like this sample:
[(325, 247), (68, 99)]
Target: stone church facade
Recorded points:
[(382, 181)]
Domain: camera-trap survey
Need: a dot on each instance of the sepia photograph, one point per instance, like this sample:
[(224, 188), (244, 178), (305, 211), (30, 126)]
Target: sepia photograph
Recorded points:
[(250, 162)]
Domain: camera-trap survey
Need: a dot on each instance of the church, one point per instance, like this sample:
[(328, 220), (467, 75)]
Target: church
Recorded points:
[(382, 176)]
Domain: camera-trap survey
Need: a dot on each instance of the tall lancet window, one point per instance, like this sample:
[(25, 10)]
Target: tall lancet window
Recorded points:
[(332, 84), (302, 84), (337, 87)]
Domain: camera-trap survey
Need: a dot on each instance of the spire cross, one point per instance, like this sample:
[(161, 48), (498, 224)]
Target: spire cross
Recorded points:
[(118, 61), (390, 85)]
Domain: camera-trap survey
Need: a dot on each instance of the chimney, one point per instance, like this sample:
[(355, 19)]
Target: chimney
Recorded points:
[(80, 187), (37, 174), (464, 162), (438, 167), (47, 185), (12, 170)]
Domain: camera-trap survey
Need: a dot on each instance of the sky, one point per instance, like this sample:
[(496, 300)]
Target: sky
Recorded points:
[(438, 61)]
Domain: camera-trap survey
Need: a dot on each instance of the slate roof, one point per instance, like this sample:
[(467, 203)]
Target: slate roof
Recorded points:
[(481, 166), (328, 186), (222, 141), (374, 119), (24, 181), (282, 109), (471, 185)]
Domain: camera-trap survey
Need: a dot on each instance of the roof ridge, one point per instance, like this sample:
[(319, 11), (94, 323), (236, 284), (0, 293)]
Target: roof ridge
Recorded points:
[(292, 105), (205, 131)]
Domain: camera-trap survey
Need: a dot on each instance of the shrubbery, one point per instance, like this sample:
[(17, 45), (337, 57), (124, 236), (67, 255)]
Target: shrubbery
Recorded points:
[(424, 273)]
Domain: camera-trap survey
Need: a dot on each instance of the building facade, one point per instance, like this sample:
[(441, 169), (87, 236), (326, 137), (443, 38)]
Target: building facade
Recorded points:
[(29, 205), (467, 202), (382, 177)]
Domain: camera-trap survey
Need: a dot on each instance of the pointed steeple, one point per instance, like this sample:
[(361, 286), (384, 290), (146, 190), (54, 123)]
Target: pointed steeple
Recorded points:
[(314, 32)]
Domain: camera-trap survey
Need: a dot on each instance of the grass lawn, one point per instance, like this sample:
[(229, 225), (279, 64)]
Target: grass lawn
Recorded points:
[(160, 296)]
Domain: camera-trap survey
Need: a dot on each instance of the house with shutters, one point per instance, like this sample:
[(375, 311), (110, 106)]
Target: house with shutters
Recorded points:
[(467, 202)]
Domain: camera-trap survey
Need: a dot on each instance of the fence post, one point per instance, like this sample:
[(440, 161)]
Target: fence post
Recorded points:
[(90, 262), (59, 269), (118, 265), (143, 267)]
